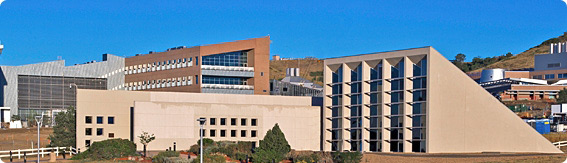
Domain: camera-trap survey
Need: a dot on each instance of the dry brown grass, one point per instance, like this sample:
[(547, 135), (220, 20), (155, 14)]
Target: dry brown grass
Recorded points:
[(277, 69), (11, 139)]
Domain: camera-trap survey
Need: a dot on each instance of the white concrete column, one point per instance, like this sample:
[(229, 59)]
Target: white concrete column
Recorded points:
[(386, 86), (346, 111), (365, 109)]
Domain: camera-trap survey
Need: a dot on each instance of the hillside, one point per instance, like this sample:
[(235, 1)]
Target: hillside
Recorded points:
[(526, 58), (309, 69)]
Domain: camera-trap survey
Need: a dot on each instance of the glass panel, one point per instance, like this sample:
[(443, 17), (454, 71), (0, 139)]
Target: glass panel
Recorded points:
[(396, 121), (419, 95), (238, 58)]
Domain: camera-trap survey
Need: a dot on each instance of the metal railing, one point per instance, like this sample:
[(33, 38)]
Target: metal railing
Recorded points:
[(42, 151), (560, 144)]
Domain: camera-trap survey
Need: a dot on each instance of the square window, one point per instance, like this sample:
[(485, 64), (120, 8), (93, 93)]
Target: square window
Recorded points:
[(99, 120), (261, 73), (223, 121), (253, 122), (99, 131), (212, 133), (243, 122), (87, 143), (88, 119), (110, 120), (213, 121), (88, 131), (232, 133), (233, 121), (204, 132), (110, 135), (242, 133), (253, 133), (222, 133)]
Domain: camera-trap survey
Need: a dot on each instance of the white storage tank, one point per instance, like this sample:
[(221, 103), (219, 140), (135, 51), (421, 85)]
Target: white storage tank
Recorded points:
[(491, 75)]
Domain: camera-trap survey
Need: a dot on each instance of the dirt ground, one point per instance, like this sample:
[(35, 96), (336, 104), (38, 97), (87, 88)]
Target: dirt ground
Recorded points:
[(11, 139), (450, 158)]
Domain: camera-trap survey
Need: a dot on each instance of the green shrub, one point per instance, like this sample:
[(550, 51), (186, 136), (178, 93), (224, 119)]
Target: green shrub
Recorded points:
[(163, 156), (273, 147), (210, 159), (347, 157), (206, 142), (222, 150), (108, 149), (312, 158), (194, 149), (176, 160)]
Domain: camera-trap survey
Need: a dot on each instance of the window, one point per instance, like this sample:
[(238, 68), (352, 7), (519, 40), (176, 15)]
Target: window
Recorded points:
[(224, 80), (253, 133), (233, 121), (213, 121), (552, 65), (232, 133), (243, 133), (222, 133), (253, 122), (537, 77), (204, 132), (88, 131), (549, 76), (562, 75), (99, 120), (238, 58), (110, 135), (87, 143), (99, 132), (212, 133), (196, 79), (88, 119), (261, 73), (243, 122), (110, 120), (223, 121), (197, 60)]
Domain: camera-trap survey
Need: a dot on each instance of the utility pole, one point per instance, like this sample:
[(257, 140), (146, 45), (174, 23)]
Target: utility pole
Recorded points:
[(201, 122), (38, 119)]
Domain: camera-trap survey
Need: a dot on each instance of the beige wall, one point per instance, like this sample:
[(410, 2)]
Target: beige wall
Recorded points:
[(172, 116), (463, 117)]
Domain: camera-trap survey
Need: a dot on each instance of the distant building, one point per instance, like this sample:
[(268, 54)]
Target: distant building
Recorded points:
[(548, 77), (292, 76), (276, 57)]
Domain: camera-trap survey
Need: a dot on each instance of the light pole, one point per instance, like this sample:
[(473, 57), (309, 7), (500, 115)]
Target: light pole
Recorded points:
[(201, 122), (38, 119)]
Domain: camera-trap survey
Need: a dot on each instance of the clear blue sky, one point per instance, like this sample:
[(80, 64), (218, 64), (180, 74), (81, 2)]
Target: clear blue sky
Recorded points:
[(81, 30)]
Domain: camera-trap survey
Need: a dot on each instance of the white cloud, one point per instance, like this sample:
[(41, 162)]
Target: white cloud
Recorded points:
[(4, 0), (563, 1)]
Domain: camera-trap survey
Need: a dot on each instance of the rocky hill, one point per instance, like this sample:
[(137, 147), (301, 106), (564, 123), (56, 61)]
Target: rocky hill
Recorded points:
[(310, 69)]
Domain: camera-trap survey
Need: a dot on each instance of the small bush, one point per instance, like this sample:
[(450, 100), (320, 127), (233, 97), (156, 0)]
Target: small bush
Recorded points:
[(194, 149), (176, 160), (108, 149), (163, 156), (206, 142), (210, 159), (347, 157), (312, 158), (221, 150)]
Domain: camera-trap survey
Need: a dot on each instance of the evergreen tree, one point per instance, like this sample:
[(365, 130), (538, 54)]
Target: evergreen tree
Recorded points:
[(562, 96), (64, 130), (273, 147)]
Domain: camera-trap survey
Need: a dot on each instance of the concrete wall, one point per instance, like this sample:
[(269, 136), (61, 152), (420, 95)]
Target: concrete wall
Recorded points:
[(172, 116), (464, 118)]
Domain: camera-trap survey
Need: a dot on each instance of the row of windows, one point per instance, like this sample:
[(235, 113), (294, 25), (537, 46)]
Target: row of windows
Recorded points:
[(160, 83), (164, 65), (238, 58), (99, 132), (99, 120), (233, 121), (233, 133), (224, 80)]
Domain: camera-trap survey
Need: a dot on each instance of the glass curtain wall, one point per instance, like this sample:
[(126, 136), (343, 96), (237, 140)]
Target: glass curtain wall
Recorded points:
[(418, 104), (336, 109), (375, 108), (238, 58), (396, 107), (356, 109)]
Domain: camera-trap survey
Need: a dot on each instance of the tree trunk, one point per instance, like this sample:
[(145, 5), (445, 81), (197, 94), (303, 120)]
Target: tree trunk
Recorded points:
[(145, 151)]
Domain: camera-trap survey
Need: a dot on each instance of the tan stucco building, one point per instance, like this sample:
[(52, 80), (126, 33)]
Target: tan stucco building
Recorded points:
[(171, 116), (415, 100)]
